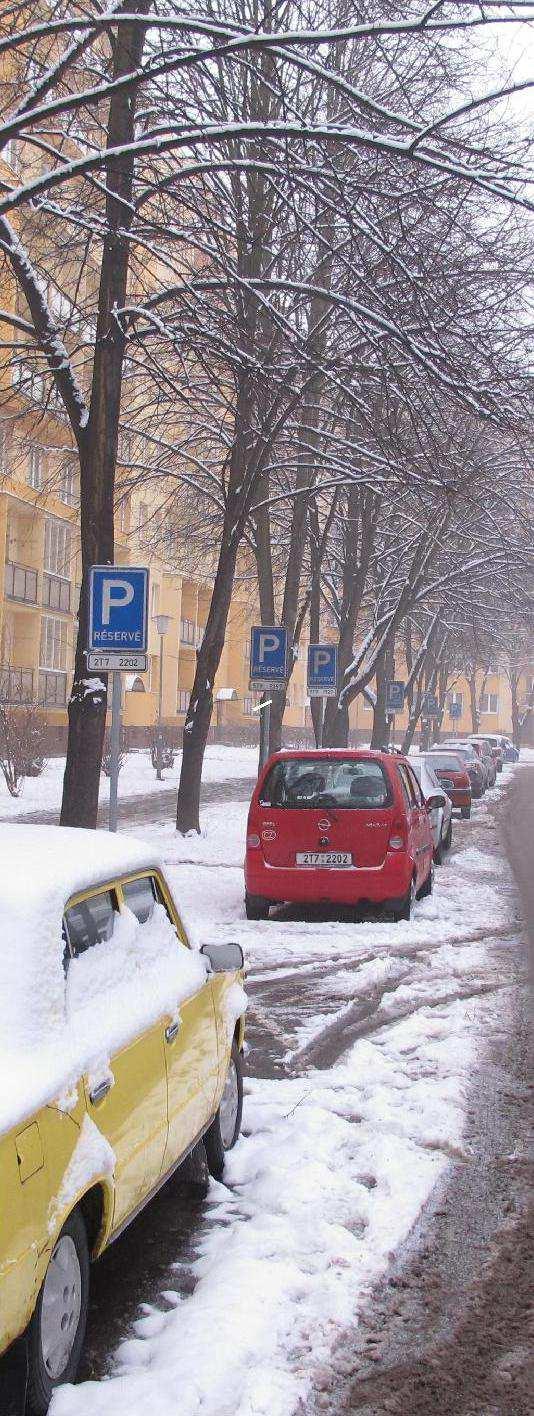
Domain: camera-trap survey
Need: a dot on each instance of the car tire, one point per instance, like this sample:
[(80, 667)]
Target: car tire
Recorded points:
[(404, 912), (428, 884), (438, 852), (466, 812), (256, 908), (226, 1125), (447, 841), (57, 1330)]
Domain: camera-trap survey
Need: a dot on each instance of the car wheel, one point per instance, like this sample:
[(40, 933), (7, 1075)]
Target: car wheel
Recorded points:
[(438, 852), (256, 908), (57, 1329), (405, 910), (447, 842), (466, 812), (225, 1127)]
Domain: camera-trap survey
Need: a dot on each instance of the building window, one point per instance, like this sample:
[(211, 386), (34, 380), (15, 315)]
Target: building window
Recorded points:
[(489, 703), (246, 651), (3, 451), (188, 631), (35, 469), (57, 548), (184, 695), (67, 484), (54, 643), (154, 598)]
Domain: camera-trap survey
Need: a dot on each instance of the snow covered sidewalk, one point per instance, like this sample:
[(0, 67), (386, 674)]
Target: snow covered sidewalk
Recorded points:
[(137, 777), (338, 1157)]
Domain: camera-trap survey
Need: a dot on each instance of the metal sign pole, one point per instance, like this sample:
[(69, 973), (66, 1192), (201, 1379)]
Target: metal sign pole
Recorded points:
[(265, 730), (321, 721), (115, 742)]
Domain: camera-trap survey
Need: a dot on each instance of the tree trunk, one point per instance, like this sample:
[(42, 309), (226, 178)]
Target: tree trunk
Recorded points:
[(200, 708), (473, 699), (384, 671), (99, 441)]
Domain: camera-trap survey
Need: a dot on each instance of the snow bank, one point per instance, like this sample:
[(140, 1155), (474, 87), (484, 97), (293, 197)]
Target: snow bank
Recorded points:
[(52, 1030)]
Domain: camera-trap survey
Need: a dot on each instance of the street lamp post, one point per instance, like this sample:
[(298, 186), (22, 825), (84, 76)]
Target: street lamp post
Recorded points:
[(163, 624)]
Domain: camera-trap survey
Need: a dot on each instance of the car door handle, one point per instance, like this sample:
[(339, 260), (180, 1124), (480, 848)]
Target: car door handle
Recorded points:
[(100, 1091), (172, 1031)]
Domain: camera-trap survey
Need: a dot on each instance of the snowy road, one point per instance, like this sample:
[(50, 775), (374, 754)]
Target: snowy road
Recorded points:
[(364, 1041)]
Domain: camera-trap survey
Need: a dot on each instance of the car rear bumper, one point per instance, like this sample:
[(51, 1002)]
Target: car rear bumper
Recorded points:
[(460, 798), (303, 886)]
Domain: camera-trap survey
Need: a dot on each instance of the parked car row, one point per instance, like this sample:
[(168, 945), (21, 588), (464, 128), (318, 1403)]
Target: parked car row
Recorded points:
[(355, 827), (344, 827)]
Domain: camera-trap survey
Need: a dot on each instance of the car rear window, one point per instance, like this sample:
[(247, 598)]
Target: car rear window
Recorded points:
[(349, 784), (446, 760)]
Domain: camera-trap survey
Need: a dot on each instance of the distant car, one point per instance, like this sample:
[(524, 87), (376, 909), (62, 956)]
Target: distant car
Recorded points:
[(511, 753), (496, 748), (483, 747), (440, 817), (473, 763), (338, 827), (120, 1047), (451, 771)]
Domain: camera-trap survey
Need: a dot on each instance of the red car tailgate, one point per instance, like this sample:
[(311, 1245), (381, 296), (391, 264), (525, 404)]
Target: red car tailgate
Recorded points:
[(365, 833)]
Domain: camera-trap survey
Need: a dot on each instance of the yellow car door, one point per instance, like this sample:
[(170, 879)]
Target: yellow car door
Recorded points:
[(127, 1100), (190, 1044)]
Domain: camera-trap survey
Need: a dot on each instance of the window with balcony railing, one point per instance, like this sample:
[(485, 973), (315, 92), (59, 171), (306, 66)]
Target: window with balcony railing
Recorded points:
[(16, 685), (52, 688), (20, 582), (56, 593)]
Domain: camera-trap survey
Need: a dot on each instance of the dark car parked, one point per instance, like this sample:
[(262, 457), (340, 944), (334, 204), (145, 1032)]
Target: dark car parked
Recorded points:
[(473, 764)]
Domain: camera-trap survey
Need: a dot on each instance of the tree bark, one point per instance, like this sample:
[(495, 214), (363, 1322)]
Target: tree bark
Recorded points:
[(98, 443)]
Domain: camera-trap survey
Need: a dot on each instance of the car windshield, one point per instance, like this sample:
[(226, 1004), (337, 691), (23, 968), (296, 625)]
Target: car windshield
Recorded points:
[(348, 784), (445, 761)]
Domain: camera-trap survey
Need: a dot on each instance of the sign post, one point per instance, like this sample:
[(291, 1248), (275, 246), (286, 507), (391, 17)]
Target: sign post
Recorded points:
[(118, 633), (268, 670), (322, 676), (394, 703)]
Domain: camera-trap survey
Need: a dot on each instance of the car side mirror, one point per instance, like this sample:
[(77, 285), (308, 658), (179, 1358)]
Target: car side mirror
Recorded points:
[(433, 802), (223, 958)]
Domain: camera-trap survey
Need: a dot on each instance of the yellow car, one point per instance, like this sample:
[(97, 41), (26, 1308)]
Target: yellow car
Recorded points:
[(120, 1048)]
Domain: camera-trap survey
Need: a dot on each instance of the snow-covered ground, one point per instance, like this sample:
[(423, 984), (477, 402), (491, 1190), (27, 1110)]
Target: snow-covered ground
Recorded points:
[(137, 777), (341, 1151)]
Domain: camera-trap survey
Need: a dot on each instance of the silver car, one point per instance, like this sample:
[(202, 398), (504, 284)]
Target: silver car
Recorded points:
[(440, 817)]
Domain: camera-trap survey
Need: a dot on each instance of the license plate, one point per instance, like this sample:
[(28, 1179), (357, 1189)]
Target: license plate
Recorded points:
[(326, 859)]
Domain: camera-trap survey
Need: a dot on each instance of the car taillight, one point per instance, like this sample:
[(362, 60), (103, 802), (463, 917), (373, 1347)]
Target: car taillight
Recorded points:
[(253, 840), (397, 839)]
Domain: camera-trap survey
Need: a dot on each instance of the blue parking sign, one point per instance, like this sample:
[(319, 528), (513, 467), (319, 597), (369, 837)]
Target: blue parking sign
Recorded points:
[(322, 670), (118, 609), (268, 656), (431, 705), (395, 696)]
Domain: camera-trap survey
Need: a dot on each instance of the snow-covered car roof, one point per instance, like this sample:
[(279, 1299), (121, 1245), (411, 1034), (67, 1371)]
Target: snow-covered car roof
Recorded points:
[(40, 863)]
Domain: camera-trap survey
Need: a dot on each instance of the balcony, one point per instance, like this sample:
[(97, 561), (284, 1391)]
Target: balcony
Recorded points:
[(52, 688), (20, 583), (16, 685), (56, 592)]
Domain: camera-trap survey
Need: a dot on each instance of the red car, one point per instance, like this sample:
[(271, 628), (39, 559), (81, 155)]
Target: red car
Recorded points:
[(338, 827), (454, 777)]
